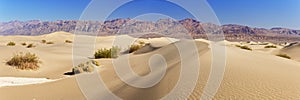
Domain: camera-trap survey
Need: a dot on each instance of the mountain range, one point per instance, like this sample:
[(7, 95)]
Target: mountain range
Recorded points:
[(162, 27)]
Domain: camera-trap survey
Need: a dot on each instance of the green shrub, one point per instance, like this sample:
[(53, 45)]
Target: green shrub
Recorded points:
[(270, 46), (26, 61), (30, 45), (68, 41), (23, 44), (284, 56), (50, 43), (11, 44), (244, 47), (107, 53)]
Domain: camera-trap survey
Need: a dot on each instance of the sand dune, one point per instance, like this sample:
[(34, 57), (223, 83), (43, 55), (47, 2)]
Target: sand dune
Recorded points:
[(257, 74), (292, 50), (56, 58)]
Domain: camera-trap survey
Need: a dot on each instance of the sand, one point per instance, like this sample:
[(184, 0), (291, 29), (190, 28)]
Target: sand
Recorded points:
[(292, 51), (17, 81), (256, 74)]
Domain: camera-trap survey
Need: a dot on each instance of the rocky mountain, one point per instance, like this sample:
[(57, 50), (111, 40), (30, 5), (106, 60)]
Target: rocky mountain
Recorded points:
[(162, 27)]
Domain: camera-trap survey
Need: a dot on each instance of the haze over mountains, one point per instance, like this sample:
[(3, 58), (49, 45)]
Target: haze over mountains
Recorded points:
[(165, 27)]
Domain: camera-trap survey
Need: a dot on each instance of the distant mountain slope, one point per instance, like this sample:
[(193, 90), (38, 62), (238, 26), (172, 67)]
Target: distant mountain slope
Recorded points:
[(163, 27)]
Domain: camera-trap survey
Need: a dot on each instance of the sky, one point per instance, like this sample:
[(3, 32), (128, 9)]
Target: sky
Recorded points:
[(254, 13)]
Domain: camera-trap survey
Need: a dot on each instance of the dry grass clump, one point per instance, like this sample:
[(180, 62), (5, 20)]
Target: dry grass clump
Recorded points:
[(284, 56), (49, 42), (141, 42), (23, 44), (85, 67), (264, 43), (244, 47), (27, 61), (107, 53), (68, 41), (44, 41), (30, 45), (270, 46), (134, 48), (11, 44)]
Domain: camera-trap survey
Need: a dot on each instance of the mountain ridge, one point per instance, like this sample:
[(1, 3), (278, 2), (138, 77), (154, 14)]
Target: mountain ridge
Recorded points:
[(169, 27)]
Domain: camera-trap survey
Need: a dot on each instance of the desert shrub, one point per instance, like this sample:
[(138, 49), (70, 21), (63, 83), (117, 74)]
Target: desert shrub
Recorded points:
[(23, 44), (85, 67), (265, 43), (142, 43), (68, 41), (27, 61), (107, 53), (30, 45), (44, 41), (284, 56), (95, 62), (270, 46), (244, 47), (133, 48), (49, 42), (11, 44), (102, 53)]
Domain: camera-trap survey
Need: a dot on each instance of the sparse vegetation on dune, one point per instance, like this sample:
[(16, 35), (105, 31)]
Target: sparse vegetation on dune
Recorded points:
[(270, 46), (23, 44), (49, 42), (27, 61), (84, 67), (11, 44), (44, 41), (142, 42), (244, 47), (95, 62), (134, 48), (107, 53), (264, 43), (284, 56), (30, 45), (68, 41)]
